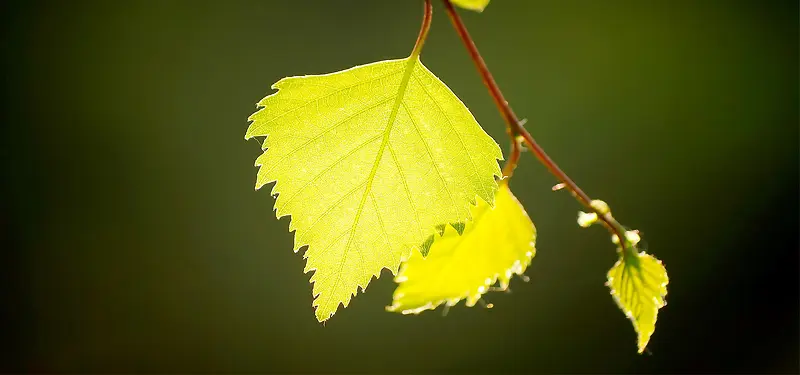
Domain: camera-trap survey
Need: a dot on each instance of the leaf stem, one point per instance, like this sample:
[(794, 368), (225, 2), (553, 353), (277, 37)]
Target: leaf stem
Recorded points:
[(518, 134), (513, 159), (423, 30)]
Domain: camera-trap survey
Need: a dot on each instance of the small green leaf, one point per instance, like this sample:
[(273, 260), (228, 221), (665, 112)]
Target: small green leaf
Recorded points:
[(476, 5), (638, 283), (368, 161), (496, 245)]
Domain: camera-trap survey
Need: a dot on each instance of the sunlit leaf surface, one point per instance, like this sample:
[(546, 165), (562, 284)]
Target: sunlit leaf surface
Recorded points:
[(638, 283), (498, 244), (476, 5), (368, 161)]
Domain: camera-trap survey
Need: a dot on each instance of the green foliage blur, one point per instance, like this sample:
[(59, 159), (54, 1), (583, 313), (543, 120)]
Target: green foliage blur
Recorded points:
[(134, 242)]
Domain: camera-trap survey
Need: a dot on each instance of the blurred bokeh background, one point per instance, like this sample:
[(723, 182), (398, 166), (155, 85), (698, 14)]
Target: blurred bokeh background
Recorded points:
[(133, 240)]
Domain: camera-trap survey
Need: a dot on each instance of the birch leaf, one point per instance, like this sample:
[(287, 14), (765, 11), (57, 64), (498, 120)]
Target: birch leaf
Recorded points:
[(638, 283), (368, 161), (497, 244), (476, 5)]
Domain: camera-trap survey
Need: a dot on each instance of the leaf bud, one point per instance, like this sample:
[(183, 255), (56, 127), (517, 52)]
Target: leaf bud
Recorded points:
[(601, 206), (585, 219)]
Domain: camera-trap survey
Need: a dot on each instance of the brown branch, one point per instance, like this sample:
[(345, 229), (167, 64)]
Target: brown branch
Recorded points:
[(515, 129)]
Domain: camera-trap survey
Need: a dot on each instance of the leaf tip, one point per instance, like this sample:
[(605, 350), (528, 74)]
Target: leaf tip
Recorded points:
[(474, 5)]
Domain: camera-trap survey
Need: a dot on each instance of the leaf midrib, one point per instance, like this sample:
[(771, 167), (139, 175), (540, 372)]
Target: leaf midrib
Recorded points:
[(401, 90)]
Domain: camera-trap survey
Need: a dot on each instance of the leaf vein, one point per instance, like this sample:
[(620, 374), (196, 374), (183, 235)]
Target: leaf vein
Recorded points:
[(380, 220), (406, 189), (430, 155), (450, 122), (333, 127), (409, 68), (328, 168), (328, 95), (334, 205)]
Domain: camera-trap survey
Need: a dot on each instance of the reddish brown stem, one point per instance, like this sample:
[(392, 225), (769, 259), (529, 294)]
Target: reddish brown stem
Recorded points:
[(513, 158), (515, 128), (423, 30)]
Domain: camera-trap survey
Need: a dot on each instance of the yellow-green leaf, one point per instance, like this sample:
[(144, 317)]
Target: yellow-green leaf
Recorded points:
[(476, 5), (368, 161), (496, 245), (638, 283)]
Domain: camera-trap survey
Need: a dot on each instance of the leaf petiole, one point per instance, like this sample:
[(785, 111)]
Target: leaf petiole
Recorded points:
[(423, 30)]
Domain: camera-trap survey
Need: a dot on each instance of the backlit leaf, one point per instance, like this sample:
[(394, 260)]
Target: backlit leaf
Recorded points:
[(496, 245), (638, 283), (476, 5), (368, 161)]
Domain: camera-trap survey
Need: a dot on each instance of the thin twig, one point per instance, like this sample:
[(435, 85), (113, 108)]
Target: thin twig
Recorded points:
[(423, 29), (513, 159), (515, 128)]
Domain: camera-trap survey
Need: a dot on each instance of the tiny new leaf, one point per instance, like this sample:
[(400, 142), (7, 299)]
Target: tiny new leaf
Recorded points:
[(368, 161), (638, 283), (497, 244)]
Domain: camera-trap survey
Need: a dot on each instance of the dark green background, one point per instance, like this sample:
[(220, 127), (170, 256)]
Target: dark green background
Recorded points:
[(133, 240)]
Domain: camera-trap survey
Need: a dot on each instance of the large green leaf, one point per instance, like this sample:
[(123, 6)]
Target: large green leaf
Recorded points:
[(368, 161), (496, 245), (638, 283)]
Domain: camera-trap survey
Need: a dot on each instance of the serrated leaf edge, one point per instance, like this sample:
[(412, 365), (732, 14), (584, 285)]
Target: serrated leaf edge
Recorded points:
[(659, 302), (473, 296), (408, 70)]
